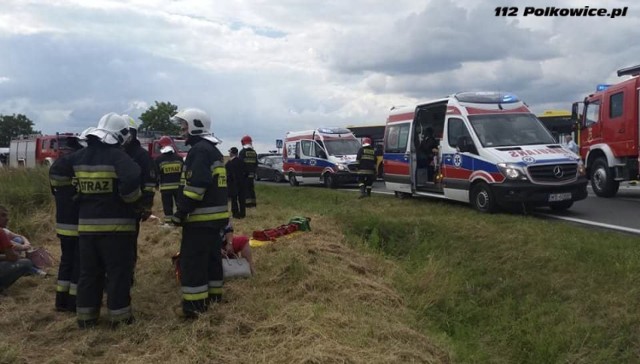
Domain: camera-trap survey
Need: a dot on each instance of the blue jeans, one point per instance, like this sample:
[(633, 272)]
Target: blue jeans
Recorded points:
[(11, 271), (18, 240)]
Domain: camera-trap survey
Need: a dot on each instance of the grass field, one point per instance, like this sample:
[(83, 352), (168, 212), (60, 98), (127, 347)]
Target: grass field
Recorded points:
[(377, 280)]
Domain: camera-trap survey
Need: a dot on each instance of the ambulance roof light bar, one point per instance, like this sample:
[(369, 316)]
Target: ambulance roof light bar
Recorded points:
[(629, 71)]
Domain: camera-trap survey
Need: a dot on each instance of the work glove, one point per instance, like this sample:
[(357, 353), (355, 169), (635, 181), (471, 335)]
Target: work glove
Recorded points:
[(178, 218)]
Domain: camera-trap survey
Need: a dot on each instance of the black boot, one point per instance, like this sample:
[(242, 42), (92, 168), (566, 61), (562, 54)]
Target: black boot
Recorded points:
[(363, 192), (368, 192)]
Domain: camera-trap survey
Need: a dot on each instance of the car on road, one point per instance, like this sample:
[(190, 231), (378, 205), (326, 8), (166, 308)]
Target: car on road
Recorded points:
[(270, 168)]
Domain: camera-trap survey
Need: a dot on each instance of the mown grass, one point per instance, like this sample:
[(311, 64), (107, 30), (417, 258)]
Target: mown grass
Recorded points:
[(498, 288), (313, 300), (376, 280)]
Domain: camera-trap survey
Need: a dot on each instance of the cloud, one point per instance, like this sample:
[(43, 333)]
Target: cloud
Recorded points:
[(265, 68)]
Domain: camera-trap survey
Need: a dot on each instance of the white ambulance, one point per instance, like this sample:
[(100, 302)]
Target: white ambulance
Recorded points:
[(490, 151), (323, 155)]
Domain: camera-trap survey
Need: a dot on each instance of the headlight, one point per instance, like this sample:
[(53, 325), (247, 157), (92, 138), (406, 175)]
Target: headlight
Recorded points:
[(581, 170), (512, 171), (342, 167)]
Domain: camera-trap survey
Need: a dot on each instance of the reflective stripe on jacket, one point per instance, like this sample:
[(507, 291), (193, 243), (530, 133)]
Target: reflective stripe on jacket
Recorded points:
[(204, 193)]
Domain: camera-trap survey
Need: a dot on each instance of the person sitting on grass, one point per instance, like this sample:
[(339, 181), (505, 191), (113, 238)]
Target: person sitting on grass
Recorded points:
[(237, 246), (11, 267), (20, 244)]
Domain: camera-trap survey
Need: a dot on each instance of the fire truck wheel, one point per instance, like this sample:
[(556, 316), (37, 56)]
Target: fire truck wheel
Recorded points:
[(292, 180), (602, 180), (482, 198), (561, 205)]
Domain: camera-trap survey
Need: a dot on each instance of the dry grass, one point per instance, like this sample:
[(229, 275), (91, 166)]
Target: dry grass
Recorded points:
[(314, 300)]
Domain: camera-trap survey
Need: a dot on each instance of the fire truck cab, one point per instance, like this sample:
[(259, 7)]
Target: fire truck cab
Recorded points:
[(491, 152), (37, 150), (609, 138)]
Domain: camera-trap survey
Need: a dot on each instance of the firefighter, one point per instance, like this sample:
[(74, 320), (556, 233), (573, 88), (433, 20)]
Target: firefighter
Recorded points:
[(202, 212), (236, 184), (168, 167), (147, 171), (366, 167), (107, 181), (249, 158), (66, 225)]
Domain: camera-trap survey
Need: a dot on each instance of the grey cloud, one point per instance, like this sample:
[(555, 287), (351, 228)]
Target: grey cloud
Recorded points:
[(441, 37)]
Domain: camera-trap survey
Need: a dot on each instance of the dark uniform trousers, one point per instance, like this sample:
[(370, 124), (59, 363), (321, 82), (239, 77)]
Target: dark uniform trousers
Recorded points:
[(169, 197), (238, 204), (250, 192), (68, 273), (201, 266), (110, 255)]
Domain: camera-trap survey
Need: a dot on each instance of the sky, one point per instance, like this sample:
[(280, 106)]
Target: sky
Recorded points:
[(264, 68)]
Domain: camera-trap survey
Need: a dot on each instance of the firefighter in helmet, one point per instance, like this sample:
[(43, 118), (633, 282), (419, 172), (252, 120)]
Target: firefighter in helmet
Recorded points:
[(147, 175), (202, 212), (366, 167), (66, 224), (168, 167), (108, 185), (249, 158)]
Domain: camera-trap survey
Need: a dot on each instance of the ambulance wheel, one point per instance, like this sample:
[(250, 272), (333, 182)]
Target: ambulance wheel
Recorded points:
[(292, 180), (402, 195), (602, 179), (329, 181), (482, 198), (561, 205)]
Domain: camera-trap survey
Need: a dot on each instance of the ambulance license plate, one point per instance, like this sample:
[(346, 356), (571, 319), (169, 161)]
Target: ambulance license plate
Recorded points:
[(553, 197)]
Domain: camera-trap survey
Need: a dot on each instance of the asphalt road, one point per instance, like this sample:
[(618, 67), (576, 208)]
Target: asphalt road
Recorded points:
[(618, 213)]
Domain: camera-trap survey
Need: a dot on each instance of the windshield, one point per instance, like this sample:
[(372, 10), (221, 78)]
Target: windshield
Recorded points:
[(505, 130), (337, 147), (182, 146)]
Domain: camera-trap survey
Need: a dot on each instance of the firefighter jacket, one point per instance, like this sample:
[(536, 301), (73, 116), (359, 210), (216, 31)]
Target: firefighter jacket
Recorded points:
[(366, 159), (108, 184), (147, 172), (203, 201), (235, 175), (168, 169), (60, 179), (249, 157)]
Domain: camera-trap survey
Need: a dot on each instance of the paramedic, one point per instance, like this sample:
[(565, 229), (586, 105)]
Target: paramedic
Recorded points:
[(429, 147)]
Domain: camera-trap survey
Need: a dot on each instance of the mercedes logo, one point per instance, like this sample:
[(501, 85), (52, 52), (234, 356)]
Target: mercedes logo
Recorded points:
[(558, 172)]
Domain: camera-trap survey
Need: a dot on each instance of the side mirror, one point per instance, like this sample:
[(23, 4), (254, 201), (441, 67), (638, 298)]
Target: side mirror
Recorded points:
[(322, 154)]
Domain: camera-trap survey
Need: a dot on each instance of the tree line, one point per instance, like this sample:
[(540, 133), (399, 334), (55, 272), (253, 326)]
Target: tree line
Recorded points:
[(156, 118)]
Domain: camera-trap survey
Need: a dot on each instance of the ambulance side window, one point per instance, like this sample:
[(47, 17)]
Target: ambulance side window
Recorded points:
[(306, 147), (396, 138), (297, 150), (319, 152), (458, 136)]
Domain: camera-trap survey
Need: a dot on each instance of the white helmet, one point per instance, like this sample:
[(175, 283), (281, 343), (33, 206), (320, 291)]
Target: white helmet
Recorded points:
[(112, 129), (198, 122), (131, 122)]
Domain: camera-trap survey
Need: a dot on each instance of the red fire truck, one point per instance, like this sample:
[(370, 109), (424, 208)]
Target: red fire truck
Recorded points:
[(37, 150), (149, 141), (609, 138)]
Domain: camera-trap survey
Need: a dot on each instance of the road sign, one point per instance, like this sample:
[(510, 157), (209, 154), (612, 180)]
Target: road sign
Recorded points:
[(278, 143)]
